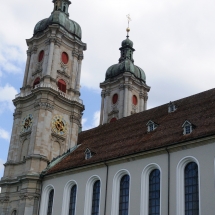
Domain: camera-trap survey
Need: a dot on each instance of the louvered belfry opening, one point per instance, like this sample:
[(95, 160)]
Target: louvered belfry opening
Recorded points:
[(62, 85)]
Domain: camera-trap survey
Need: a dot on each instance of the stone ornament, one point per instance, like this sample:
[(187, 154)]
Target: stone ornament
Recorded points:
[(59, 125), (27, 123)]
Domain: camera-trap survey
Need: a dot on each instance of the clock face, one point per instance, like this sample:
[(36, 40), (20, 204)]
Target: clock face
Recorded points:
[(59, 125), (27, 123)]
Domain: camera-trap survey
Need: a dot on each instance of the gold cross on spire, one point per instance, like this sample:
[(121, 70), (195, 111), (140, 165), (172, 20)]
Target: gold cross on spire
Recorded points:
[(129, 20)]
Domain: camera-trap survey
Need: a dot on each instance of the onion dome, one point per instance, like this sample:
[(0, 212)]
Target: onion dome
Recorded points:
[(60, 16), (126, 63)]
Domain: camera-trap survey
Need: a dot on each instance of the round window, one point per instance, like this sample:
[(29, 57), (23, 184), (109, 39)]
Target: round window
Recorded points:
[(65, 58), (134, 100), (115, 98), (113, 119), (41, 55)]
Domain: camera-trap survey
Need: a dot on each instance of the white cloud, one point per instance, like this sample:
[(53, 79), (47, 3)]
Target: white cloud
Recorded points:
[(4, 134), (174, 40), (94, 123), (96, 118), (7, 94)]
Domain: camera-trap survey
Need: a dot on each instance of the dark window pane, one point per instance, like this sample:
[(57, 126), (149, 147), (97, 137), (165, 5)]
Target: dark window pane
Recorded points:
[(96, 198), (124, 195), (50, 202), (154, 192), (72, 200), (191, 188)]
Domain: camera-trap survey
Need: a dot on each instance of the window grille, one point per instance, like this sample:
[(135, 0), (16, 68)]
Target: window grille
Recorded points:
[(96, 198), (187, 129), (50, 202), (124, 195), (72, 200), (191, 183), (154, 192)]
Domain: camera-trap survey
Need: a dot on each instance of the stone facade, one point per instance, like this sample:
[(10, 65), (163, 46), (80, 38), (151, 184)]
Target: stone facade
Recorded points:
[(46, 119), (124, 91)]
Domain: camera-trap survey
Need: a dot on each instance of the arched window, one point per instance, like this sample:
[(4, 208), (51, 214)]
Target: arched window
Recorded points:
[(50, 202), (72, 200), (134, 100), (124, 195), (154, 192), (64, 8), (113, 119), (62, 85), (36, 82), (191, 186), (96, 198), (41, 55), (14, 212)]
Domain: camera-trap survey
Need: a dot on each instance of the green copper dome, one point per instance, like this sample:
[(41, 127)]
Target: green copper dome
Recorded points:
[(126, 63), (127, 42), (125, 66), (60, 18)]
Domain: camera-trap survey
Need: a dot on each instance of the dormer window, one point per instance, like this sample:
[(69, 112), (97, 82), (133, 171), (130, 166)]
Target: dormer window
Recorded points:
[(88, 154), (151, 126), (187, 127), (171, 107)]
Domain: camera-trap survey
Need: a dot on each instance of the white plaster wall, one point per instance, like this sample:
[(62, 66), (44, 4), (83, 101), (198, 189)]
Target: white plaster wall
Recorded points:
[(204, 154)]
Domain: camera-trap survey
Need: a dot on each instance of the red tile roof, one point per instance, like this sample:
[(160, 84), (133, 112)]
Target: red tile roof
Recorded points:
[(129, 135)]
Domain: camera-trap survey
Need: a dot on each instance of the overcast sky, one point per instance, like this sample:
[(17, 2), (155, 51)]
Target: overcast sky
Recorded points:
[(174, 42)]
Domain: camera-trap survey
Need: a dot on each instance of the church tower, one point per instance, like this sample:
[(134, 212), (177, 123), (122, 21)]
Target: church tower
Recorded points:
[(48, 110), (124, 91)]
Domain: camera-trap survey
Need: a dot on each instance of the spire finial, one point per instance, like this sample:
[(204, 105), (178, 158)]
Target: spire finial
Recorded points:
[(129, 20)]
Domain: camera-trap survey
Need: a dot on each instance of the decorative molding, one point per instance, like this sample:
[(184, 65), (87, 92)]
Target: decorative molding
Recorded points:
[(44, 105), (4, 199), (58, 42), (57, 138), (75, 53), (17, 114), (34, 49), (64, 73), (25, 135), (116, 191), (80, 56), (180, 184), (144, 209), (89, 196), (76, 118), (66, 196)]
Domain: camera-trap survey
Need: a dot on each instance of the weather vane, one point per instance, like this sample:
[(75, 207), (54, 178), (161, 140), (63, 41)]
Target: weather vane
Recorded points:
[(129, 20)]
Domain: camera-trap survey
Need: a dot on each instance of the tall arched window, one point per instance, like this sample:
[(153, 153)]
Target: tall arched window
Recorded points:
[(62, 85), (191, 186), (14, 212), (50, 202), (36, 82), (72, 200), (96, 198), (154, 192), (124, 195)]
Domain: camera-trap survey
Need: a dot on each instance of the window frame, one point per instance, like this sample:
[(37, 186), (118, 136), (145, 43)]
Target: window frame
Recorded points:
[(180, 201), (116, 191), (89, 194), (66, 196), (144, 200), (45, 199)]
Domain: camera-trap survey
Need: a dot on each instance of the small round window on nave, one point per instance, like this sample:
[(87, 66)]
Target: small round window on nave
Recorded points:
[(134, 100), (65, 58), (115, 98), (41, 56)]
